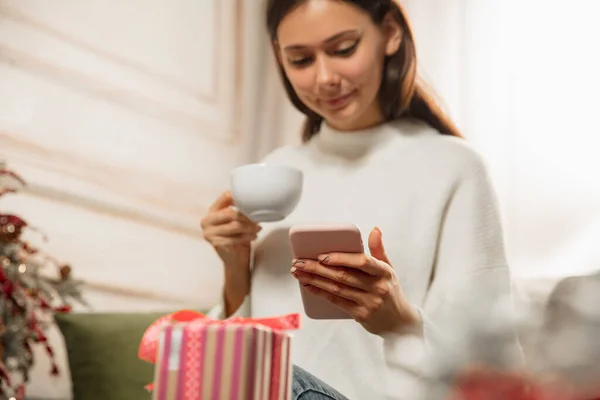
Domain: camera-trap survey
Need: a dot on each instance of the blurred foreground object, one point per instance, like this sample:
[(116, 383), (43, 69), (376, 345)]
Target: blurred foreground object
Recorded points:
[(478, 361), (483, 384), (569, 345), (28, 297)]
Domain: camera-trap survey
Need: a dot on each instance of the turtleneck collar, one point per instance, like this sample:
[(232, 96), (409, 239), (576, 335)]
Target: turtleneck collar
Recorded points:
[(355, 144)]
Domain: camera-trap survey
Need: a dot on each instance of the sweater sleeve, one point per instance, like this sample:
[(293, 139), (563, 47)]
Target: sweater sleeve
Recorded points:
[(470, 278)]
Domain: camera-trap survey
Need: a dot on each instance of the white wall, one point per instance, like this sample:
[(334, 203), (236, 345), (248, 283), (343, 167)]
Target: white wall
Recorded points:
[(554, 73)]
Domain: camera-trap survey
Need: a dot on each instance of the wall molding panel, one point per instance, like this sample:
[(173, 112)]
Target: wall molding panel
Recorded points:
[(164, 96)]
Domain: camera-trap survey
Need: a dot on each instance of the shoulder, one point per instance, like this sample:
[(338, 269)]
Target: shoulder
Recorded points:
[(444, 154), (460, 154)]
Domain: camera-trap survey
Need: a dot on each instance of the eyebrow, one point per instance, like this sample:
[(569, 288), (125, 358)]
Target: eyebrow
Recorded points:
[(328, 40)]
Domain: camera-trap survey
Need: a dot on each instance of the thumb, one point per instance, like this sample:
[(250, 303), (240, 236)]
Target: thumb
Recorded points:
[(376, 246)]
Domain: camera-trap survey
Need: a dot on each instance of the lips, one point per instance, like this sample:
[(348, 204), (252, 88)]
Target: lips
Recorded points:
[(338, 102)]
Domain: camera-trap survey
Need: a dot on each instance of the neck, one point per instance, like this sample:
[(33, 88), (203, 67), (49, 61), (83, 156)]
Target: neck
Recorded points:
[(368, 120)]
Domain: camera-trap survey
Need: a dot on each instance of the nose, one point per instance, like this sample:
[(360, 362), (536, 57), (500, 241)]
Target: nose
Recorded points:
[(326, 76)]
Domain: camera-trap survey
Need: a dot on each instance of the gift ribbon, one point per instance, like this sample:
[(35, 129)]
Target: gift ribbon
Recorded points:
[(150, 340)]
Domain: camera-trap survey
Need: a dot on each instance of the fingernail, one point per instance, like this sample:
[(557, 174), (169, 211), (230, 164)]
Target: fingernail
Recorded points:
[(293, 270), (379, 230), (323, 259), (298, 264)]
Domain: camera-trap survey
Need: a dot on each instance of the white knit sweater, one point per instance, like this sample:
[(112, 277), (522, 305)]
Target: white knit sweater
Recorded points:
[(432, 199)]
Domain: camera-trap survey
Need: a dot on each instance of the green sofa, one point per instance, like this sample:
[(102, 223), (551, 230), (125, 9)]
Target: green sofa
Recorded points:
[(102, 353)]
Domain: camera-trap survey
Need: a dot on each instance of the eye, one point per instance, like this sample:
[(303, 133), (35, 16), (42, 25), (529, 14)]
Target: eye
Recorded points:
[(347, 49), (300, 62)]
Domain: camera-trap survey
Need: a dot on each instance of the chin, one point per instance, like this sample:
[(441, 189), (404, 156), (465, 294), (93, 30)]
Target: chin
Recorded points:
[(344, 117)]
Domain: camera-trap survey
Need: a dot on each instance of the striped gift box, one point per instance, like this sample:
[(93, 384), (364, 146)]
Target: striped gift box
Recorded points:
[(197, 360)]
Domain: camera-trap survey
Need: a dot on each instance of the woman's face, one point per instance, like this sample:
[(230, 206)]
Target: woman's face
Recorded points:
[(333, 54)]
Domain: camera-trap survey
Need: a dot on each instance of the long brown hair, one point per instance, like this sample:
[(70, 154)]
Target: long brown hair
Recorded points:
[(401, 94)]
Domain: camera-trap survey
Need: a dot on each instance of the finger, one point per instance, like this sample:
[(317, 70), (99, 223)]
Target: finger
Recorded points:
[(333, 287), (376, 246), (233, 228), (343, 275), (224, 216), (225, 199), (359, 261), (360, 313), (345, 304)]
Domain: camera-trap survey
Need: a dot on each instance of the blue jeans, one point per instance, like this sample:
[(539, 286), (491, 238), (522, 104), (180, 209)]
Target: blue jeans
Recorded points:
[(307, 387)]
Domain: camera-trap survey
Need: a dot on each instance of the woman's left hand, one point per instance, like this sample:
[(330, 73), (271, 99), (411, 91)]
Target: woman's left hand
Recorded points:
[(366, 287)]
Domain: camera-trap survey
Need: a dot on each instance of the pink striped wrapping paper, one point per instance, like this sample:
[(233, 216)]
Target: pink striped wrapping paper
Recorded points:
[(225, 360)]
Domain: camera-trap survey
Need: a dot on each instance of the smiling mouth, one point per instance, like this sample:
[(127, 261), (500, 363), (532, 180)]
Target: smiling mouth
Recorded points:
[(338, 102)]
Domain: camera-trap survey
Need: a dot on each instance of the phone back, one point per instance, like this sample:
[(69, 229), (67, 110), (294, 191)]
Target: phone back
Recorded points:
[(310, 241)]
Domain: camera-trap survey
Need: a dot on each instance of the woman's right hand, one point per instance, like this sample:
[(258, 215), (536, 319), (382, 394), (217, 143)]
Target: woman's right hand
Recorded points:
[(230, 233)]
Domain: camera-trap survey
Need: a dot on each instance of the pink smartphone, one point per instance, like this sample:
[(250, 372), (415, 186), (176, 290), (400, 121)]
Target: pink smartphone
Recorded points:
[(310, 241)]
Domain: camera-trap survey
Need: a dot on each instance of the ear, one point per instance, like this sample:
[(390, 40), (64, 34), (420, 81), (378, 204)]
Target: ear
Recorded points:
[(392, 33)]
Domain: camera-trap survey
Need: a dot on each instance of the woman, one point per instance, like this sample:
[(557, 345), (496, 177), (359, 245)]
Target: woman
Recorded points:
[(378, 152)]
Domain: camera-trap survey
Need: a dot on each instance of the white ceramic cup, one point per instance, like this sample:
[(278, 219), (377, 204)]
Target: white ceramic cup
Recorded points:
[(265, 192)]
